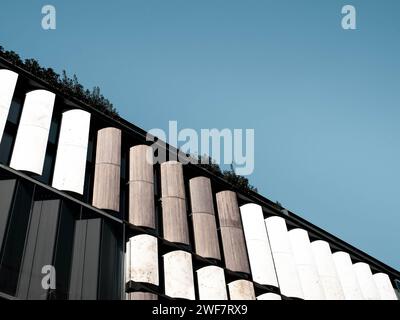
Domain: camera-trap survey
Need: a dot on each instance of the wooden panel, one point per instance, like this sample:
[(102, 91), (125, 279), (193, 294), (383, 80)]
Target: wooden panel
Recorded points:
[(141, 187), (106, 190), (201, 195), (175, 227), (228, 209), (233, 242), (205, 235), (175, 224), (203, 218), (234, 250)]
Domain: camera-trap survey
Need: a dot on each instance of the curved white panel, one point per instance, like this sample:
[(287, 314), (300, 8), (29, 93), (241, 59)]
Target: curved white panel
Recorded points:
[(241, 290), (286, 270), (366, 281), (327, 271), (143, 257), (33, 132), (384, 285), (347, 276), (8, 80), (269, 296), (258, 248), (306, 267), (70, 166), (178, 275), (211, 283)]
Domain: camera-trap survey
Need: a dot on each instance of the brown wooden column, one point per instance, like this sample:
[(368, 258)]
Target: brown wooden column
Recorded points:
[(233, 242), (175, 224), (106, 190), (141, 187), (203, 217)]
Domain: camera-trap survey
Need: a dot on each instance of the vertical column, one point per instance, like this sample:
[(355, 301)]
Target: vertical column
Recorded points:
[(241, 290), (175, 224), (286, 270), (106, 188), (203, 217), (33, 132), (211, 282), (178, 275), (258, 248), (327, 271), (70, 166), (269, 296), (384, 285), (142, 296), (141, 187), (366, 281), (347, 276), (143, 260), (8, 81), (233, 242), (306, 267)]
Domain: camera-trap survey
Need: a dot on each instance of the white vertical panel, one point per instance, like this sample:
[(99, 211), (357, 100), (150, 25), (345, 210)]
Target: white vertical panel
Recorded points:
[(384, 286), (33, 132), (8, 81), (211, 282), (366, 281), (269, 296), (258, 248), (327, 271), (70, 166), (306, 267), (178, 275), (286, 270), (241, 290), (347, 276), (143, 259), (128, 262)]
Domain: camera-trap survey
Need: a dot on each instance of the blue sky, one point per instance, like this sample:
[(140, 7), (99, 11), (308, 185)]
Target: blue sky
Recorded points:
[(324, 102)]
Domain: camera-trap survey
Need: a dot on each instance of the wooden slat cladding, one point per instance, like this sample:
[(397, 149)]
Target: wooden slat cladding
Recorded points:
[(233, 242), (106, 190), (203, 218), (141, 187), (175, 224)]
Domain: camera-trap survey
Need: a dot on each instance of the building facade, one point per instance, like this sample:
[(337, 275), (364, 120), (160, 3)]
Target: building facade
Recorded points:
[(78, 193)]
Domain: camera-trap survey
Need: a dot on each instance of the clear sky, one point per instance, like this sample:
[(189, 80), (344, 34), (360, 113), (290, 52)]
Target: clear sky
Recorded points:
[(324, 102)]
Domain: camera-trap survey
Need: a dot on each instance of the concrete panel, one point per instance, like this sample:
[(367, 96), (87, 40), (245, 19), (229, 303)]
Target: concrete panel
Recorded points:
[(143, 257), (258, 248), (347, 276), (366, 281), (288, 277), (203, 218), (241, 290), (269, 296), (384, 286), (327, 271), (33, 132), (107, 175), (211, 283), (175, 224), (141, 187), (306, 266), (233, 241), (178, 275), (70, 165), (8, 81)]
